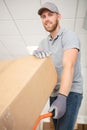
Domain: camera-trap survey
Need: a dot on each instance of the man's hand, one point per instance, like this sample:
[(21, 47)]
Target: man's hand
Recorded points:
[(41, 53), (59, 106)]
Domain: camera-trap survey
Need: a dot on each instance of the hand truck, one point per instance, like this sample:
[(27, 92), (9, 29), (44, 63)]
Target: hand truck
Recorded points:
[(49, 114)]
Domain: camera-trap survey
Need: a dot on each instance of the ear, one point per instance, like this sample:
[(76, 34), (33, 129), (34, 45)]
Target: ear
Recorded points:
[(59, 16)]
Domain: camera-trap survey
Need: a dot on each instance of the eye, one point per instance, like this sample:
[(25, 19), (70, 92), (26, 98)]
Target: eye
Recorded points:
[(43, 16), (50, 14)]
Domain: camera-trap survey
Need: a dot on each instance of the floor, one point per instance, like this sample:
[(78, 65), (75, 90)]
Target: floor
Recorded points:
[(49, 126)]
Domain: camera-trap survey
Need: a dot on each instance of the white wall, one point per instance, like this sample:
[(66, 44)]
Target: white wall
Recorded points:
[(20, 26)]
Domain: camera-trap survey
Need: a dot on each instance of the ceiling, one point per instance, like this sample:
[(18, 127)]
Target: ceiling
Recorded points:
[(20, 25)]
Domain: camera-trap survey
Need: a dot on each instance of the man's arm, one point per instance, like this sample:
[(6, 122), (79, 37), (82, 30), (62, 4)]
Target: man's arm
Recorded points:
[(69, 60)]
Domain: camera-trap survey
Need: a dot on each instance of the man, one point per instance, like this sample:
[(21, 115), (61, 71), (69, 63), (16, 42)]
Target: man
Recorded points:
[(64, 48)]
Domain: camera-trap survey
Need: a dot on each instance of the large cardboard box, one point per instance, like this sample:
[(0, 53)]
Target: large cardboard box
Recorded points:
[(48, 126), (4, 65), (25, 86)]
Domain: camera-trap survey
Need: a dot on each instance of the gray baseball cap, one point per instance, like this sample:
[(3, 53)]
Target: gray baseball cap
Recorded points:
[(49, 6)]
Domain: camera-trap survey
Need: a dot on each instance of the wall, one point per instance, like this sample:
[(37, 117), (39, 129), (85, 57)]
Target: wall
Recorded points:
[(20, 26)]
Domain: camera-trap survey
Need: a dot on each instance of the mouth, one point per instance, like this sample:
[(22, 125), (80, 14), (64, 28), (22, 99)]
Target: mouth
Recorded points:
[(47, 24)]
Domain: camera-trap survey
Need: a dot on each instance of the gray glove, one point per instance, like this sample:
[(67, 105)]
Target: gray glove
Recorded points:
[(59, 106), (41, 53)]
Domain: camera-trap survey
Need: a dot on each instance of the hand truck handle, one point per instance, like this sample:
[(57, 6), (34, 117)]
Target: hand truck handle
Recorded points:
[(40, 118)]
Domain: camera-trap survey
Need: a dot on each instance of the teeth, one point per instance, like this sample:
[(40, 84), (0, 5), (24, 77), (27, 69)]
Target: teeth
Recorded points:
[(48, 24)]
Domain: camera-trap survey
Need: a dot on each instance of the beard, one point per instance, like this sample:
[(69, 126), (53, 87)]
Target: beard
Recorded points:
[(51, 27)]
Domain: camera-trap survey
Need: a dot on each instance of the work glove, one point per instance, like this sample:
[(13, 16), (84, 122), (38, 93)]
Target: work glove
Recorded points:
[(41, 53), (58, 107)]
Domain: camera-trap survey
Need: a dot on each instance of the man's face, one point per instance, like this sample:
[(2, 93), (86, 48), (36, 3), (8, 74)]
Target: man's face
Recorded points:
[(50, 20)]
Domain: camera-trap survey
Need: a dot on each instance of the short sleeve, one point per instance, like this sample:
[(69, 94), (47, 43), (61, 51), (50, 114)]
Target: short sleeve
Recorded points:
[(70, 40)]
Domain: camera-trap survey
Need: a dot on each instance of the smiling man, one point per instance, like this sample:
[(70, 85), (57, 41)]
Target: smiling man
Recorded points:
[(64, 48)]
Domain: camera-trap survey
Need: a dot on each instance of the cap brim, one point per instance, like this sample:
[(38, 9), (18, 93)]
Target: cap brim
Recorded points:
[(40, 11)]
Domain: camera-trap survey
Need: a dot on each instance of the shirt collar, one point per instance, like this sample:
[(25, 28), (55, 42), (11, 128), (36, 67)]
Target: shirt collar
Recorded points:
[(58, 34)]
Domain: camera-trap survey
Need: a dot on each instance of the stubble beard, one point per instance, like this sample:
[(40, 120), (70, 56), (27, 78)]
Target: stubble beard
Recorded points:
[(53, 28)]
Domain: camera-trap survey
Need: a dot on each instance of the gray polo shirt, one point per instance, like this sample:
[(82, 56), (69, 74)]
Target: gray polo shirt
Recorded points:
[(64, 40)]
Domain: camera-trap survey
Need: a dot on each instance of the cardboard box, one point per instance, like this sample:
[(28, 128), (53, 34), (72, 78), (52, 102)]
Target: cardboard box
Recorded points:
[(48, 126), (25, 86), (4, 65)]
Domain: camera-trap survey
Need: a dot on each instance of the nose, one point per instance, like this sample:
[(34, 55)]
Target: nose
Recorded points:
[(46, 18)]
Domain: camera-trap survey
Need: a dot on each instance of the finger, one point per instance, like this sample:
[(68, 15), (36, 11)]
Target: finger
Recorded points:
[(37, 54), (50, 53), (51, 109), (40, 55), (43, 54), (54, 110), (47, 54)]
